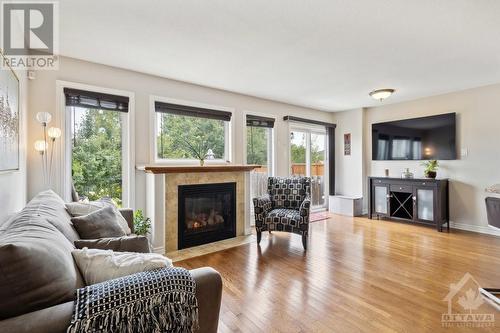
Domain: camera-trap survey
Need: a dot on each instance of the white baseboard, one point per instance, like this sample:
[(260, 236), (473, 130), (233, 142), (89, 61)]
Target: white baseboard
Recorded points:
[(475, 228), (159, 249)]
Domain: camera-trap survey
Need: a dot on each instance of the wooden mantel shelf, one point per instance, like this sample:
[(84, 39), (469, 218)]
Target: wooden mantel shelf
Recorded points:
[(157, 169)]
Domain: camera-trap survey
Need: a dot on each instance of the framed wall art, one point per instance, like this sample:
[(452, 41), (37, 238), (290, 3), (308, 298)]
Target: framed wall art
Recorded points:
[(9, 119)]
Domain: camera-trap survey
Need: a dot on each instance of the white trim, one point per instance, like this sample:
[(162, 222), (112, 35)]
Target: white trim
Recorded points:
[(159, 250), (229, 133), (155, 209), (63, 164), (475, 228)]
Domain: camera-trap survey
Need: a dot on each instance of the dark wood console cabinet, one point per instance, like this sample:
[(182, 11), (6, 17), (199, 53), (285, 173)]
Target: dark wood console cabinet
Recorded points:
[(410, 200)]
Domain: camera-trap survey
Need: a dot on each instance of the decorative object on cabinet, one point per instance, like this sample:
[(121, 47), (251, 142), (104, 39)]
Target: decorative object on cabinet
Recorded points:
[(431, 167), (407, 174)]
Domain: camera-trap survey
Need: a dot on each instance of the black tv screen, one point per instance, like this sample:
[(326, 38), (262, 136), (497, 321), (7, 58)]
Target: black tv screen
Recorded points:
[(426, 138)]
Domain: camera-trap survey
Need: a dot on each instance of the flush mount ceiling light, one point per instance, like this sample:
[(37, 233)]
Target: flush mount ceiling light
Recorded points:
[(381, 94)]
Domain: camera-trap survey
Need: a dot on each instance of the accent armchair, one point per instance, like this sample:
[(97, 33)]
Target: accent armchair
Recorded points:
[(285, 207)]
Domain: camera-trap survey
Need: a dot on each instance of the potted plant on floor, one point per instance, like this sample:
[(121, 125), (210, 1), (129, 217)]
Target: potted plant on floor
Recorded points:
[(431, 167)]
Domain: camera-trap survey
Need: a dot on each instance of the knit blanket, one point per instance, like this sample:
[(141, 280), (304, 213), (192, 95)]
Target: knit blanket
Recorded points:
[(161, 300)]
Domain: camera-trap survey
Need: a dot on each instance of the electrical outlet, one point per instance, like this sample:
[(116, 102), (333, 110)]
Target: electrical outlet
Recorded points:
[(464, 152)]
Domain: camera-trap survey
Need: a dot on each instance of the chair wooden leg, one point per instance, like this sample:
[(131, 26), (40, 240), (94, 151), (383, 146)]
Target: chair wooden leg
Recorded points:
[(304, 241), (259, 236)]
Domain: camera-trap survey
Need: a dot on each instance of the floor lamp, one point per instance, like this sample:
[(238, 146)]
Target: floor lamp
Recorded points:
[(46, 145)]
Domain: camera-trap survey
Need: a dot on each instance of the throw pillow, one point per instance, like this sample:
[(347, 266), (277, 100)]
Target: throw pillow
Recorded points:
[(99, 224), (101, 265), (76, 209)]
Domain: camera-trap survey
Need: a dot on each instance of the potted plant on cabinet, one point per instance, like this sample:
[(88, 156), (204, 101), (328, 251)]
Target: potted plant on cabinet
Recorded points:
[(431, 167)]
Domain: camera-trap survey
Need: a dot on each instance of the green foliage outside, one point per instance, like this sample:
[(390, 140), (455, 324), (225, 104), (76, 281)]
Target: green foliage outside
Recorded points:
[(177, 134), (142, 225), (298, 152), (257, 145), (97, 154)]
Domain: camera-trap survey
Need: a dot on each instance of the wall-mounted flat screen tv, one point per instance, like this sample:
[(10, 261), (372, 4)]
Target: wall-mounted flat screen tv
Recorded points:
[(426, 138)]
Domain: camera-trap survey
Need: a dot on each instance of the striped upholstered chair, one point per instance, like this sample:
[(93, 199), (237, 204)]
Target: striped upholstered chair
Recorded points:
[(285, 207)]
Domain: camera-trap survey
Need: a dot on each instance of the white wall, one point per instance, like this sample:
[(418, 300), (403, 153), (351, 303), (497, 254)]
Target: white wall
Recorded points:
[(349, 169), (43, 98), (478, 130), (13, 184)]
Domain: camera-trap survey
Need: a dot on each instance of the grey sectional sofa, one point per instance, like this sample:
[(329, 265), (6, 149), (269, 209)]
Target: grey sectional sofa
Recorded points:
[(38, 277)]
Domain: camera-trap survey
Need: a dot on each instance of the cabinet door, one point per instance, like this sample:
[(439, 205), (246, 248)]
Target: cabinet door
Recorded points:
[(424, 197), (380, 199)]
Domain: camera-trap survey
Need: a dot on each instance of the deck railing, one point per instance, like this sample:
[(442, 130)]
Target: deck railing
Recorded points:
[(258, 179)]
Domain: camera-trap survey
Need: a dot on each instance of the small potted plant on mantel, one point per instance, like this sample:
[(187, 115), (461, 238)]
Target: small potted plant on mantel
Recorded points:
[(431, 167), (198, 146)]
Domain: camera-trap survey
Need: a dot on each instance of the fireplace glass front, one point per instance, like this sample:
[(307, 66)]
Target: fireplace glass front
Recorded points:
[(207, 213)]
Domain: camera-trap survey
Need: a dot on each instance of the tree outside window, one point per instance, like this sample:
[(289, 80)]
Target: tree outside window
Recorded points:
[(178, 135), (97, 153)]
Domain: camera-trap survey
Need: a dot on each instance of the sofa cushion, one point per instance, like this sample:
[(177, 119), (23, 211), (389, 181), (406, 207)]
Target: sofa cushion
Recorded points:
[(284, 216), (99, 224), (131, 243), (76, 209), (51, 207), (37, 269)]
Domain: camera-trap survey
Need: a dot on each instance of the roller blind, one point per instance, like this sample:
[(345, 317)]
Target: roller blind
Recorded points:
[(191, 111), (91, 99), (257, 121)]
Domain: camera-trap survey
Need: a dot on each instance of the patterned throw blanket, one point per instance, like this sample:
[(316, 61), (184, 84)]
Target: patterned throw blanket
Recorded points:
[(161, 300)]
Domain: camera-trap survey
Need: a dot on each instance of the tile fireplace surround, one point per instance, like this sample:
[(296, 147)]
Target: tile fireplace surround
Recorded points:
[(162, 183)]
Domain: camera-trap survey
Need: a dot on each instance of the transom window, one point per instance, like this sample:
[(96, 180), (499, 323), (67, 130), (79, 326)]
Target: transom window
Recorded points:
[(191, 133)]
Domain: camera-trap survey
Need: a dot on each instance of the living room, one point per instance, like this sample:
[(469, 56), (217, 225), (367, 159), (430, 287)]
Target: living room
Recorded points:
[(275, 167)]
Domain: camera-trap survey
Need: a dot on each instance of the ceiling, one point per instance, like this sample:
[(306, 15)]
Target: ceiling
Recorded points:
[(324, 54)]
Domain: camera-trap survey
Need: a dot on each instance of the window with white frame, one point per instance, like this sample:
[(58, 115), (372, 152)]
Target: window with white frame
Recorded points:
[(191, 133), (259, 152), (97, 132)]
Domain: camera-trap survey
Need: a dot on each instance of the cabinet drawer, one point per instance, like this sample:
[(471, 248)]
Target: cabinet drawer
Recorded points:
[(402, 188), (425, 183)]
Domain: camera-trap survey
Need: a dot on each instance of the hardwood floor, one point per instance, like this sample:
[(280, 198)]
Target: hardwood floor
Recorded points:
[(358, 275)]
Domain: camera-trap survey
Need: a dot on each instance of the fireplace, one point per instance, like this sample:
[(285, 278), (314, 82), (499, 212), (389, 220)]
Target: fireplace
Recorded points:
[(207, 213)]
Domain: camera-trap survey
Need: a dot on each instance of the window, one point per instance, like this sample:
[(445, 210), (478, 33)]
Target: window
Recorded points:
[(259, 152), (97, 152), (259, 142), (308, 158), (191, 133)]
